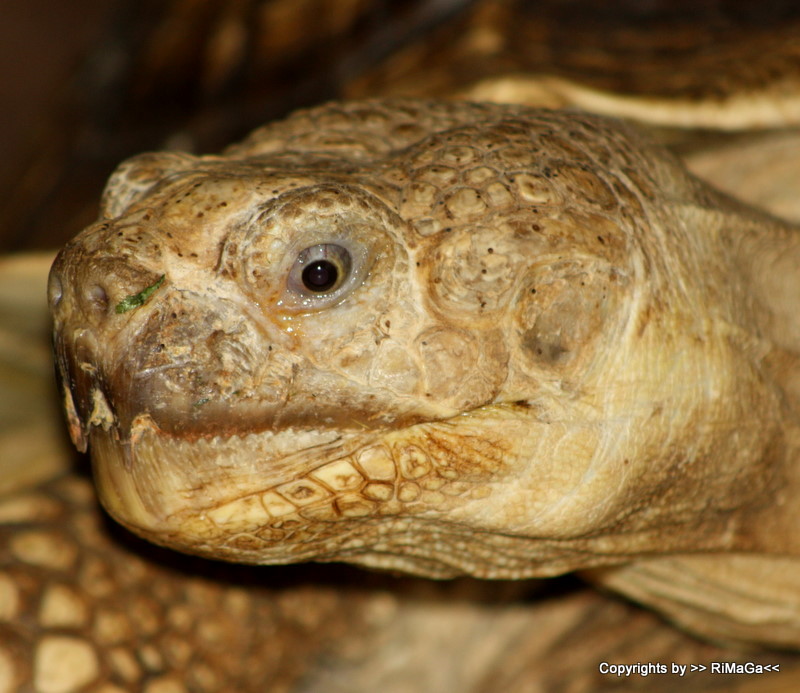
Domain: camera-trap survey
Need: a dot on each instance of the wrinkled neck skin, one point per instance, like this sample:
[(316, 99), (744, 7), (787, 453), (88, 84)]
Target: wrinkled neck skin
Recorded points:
[(764, 255), (746, 588)]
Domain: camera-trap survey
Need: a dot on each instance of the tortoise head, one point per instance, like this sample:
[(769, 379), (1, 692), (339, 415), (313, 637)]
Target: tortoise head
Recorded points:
[(442, 338)]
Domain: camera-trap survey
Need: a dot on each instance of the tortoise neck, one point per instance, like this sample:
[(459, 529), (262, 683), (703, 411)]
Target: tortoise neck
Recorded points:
[(767, 256)]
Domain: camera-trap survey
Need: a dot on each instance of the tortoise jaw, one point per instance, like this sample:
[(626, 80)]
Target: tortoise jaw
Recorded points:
[(370, 496), (165, 488)]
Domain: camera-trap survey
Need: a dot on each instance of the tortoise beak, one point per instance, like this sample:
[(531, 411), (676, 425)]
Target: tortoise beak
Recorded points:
[(83, 395), (80, 296), (76, 425)]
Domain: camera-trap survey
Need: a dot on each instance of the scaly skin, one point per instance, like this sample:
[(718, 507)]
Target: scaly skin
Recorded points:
[(553, 350)]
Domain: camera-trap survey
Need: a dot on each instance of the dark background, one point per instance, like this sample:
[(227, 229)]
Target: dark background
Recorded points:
[(87, 83)]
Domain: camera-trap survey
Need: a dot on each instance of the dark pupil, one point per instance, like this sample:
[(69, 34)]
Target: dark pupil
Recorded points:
[(320, 275)]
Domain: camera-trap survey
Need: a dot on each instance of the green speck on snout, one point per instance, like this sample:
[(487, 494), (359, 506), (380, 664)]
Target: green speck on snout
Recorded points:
[(136, 300)]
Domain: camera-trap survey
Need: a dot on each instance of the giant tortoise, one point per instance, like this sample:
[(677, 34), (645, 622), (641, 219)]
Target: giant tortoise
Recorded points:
[(462, 337)]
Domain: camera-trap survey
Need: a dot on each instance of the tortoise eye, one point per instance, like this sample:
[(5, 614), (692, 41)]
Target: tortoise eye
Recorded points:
[(320, 270)]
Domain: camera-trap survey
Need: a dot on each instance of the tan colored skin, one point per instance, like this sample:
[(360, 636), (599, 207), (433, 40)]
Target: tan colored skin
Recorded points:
[(555, 350)]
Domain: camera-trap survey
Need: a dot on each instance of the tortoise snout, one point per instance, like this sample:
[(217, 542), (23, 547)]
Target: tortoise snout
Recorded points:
[(93, 298), (90, 288)]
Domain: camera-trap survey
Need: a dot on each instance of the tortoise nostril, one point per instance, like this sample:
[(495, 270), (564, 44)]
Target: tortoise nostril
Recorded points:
[(97, 297), (55, 290)]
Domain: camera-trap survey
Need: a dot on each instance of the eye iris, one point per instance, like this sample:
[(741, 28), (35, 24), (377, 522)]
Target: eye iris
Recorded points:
[(320, 275)]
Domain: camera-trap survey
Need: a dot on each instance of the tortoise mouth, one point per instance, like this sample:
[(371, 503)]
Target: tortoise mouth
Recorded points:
[(153, 481), (368, 496)]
